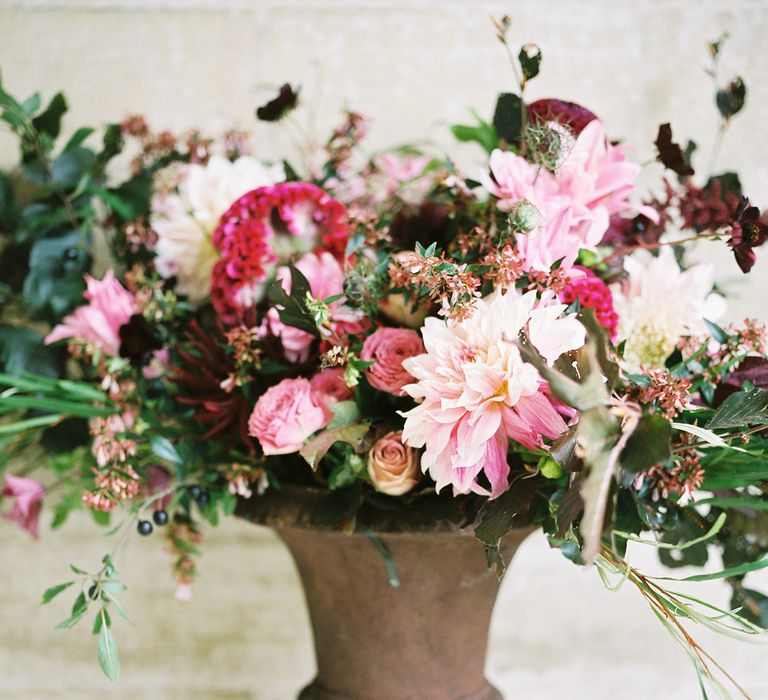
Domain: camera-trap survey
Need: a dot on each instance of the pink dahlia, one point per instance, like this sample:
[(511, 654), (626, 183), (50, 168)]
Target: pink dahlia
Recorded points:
[(264, 226), (26, 508), (592, 182), (476, 393), (98, 322), (592, 293)]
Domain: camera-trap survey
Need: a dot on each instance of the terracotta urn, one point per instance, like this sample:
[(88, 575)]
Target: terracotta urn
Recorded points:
[(423, 638)]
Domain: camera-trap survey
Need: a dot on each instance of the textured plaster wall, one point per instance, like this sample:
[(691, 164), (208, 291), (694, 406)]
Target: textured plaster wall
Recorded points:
[(414, 67)]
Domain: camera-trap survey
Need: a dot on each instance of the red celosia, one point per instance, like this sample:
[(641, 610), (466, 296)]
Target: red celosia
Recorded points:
[(246, 238), (592, 293)]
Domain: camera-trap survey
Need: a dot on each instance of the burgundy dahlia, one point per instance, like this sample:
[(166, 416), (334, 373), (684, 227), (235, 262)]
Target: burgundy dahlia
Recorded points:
[(569, 114)]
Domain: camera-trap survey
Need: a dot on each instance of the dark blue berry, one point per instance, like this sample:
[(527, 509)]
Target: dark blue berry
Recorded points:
[(144, 527), (203, 499), (160, 517), (194, 492)]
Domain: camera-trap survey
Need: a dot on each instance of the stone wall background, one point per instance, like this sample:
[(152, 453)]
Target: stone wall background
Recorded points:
[(415, 67)]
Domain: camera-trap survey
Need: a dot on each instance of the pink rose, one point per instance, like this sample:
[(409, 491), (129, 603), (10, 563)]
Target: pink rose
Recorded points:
[(29, 496), (285, 416), (393, 466), (329, 386), (388, 347)]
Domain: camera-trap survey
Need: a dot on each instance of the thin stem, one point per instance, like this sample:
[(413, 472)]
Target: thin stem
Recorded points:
[(659, 244)]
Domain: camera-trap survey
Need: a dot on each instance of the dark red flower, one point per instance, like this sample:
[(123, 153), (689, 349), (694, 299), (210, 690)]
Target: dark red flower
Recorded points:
[(749, 230), (199, 376), (286, 100), (570, 114)]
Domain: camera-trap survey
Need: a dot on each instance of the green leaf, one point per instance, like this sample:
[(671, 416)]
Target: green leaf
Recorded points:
[(530, 60), (716, 332), (344, 413), (108, 659), (52, 592), (70, 408), (753, 605), (71, 165), (77, 138), (496, 517), (49, 121), (101, 620), (714, 530), (508, 116), (164, 449), (482, 133), (730, 572), (649, 444), (741, 409), (737, 502), (316, 448), (731, 99)]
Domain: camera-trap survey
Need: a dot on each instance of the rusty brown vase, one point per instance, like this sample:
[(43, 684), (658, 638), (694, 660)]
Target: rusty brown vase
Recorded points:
[(423, 640)]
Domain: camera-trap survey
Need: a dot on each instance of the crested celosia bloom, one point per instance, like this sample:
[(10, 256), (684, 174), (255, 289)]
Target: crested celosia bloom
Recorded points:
[(263, 227), (658, 303), (476, 393), (29, 498), (591, 182), (98, 322), (326, 279), (591, 292), (185, 219)]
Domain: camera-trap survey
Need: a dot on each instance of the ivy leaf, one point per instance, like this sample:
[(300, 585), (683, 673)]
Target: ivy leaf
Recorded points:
[(52, 592), (317, 448), (731, 99), (508, 117), (649, 444), (530, 61), (741, 409), (670, 153), (108, 659)]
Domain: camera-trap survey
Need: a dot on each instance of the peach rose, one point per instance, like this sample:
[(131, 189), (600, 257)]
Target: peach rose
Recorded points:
[(388, 347), (285, 416), (393, 466)]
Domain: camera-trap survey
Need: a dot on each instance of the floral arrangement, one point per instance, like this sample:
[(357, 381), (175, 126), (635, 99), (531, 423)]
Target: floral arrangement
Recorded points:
[(522, 342)]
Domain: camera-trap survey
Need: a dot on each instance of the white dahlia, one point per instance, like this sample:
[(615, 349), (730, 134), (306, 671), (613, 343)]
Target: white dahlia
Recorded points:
[(658, 303)]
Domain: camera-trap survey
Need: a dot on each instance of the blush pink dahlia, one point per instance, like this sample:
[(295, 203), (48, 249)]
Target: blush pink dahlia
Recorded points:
[(285, 416), (476, 393), (592, 293), (592, 181), (98, 323), (26, 508), (387, 348), (261, 228)]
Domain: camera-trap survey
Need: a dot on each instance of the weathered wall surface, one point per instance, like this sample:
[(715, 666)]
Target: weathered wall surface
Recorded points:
[(415, 67)]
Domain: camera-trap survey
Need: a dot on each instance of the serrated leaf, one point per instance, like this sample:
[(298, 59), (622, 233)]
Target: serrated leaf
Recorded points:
[(741, 409), (53, 591), (316, 449), (108, 659), (496, 517)]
